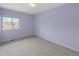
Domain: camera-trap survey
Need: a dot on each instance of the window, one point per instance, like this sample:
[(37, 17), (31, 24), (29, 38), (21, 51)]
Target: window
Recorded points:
[(15, 23), (10, 23)]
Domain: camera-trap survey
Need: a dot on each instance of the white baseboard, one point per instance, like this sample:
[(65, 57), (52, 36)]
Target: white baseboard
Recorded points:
[(60, 44), (65, 46), (20, 38)]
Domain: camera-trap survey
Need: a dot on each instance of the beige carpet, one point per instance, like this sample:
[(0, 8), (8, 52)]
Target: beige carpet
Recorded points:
[(34, 46)]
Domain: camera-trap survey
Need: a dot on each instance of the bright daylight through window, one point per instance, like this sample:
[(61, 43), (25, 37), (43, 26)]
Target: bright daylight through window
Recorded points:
[(10, 23)]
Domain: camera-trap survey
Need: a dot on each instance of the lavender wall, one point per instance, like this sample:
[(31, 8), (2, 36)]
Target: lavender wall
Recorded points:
[(60, 25), (25, 25)]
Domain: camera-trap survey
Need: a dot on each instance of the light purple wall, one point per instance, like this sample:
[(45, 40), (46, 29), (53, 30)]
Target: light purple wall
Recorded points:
[(25, 25), (60, 25)]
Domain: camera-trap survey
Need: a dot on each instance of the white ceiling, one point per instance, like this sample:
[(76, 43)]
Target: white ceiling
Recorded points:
[(25, 7)]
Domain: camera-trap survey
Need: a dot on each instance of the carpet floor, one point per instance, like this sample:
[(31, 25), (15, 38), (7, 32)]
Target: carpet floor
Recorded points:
[(34, 46)]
